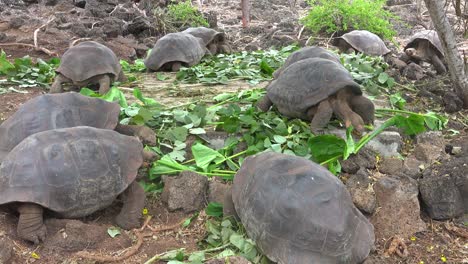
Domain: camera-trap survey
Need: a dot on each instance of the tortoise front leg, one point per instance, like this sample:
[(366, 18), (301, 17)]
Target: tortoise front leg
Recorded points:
[(228, 206), (57, 85), (342, 109), (104, 84), (264, 104), (30, 224), (364, 107), (176, 66), (320, 116), (134, 202), (144, 133), (212, 48), (438, 64)]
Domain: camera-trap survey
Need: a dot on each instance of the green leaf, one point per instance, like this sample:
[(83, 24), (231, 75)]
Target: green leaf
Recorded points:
[(166, 165), (411, 125), (325, 147), (113, 231), (279, 139), (197, 131), (161, 76), (5, 65), (383, 77), (214, 209), (350, 148), (204, 155)]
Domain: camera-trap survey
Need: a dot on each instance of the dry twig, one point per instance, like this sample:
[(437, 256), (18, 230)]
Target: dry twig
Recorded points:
[(77, 40), (39, 28), (397, 246), (46, 51)]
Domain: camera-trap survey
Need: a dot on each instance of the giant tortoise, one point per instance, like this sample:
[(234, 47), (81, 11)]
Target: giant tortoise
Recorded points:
[(297, 211), (306, 53), (88, 63), (51, 111), (313, 89), (214, 41), (362, 41), (175, 50), (425, 46), (73, 172)]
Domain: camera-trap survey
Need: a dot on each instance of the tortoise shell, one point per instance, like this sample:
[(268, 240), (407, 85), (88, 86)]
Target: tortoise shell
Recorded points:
[(306, 53), (366, 42), (306, 83), (426, 35), (51, 111), (72, 171), (180, 47), (89, 59), (298, 212), (206, 34)]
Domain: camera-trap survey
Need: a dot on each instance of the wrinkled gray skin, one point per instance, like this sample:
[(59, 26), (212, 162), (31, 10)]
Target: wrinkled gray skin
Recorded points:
[(52, 111), (214, 41), (73, 172), (425, 46), (306, 53), (362, 41), (86, 64), (314, 89), (175, 50), (297, 212)]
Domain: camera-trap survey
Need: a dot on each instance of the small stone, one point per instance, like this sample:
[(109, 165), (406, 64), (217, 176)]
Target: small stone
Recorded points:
[(138, 25), (414, 72), (427, 153), (413, 167), (362, 193), (187, 192), (399, 210), (391, 166), (435, 138)]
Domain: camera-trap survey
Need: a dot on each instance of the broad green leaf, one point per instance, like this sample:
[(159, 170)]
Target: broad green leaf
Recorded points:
[(214, 209), (166, 165), (279, 139), (204, 155), (161, 76), (349, 149), (113, 231), (325, 147), (411, 125), (383, 77)]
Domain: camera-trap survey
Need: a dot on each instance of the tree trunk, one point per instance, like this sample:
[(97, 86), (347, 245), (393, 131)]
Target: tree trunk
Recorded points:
[(245, 5), (447, 38)]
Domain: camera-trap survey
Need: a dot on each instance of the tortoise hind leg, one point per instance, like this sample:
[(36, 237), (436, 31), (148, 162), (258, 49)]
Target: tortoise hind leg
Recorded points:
[(134, 202), (144, 133), (104, 84), (320, 116), (438, 64), (30, 223), (264, 104)]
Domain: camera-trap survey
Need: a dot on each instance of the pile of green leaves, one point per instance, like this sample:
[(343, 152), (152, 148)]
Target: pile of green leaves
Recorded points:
[(369, 71), (25, 73), (254, 66), (177, 16), (345, 15)]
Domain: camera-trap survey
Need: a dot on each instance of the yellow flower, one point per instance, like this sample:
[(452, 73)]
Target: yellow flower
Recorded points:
[(145, 211), (413, 238), (443, 258), (35, 255), (421, 262)]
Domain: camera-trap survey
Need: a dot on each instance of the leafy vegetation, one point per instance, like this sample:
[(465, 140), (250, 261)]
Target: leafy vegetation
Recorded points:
[(23, 72), (254, 66), (178, 15), (345, 15)]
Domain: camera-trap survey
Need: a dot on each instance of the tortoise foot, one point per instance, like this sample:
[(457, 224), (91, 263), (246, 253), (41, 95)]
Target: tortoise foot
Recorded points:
[(30, 225), (147, 135)]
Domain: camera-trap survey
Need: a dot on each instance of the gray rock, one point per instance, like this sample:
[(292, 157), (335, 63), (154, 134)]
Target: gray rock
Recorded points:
[(435, 138), (6, 250), (391, 166), (399, 210), (138, 25), (216, 191), (387, 143), (18, 21), (444, 189), (428, 153), (186, 192), (79, 3), (452, 102), (413, 167), (362, 193), (414, 72)]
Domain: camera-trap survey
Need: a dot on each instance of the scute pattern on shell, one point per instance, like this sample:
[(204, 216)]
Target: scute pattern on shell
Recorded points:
[(429, 35), (366, 42), (298, 212), (306, 83), (89, 59), (73, 171), (206, 34), (51, 111), (173, 47), (306, 53)]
